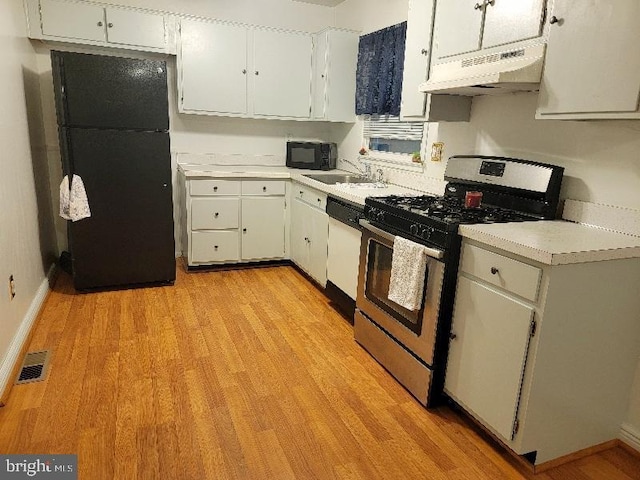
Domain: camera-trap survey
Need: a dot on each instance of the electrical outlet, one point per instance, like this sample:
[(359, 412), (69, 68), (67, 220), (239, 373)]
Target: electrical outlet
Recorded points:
[(436, 151), (12, 287)]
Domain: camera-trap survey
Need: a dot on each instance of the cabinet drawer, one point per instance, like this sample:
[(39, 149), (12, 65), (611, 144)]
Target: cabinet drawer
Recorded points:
[(214, 213), (262, 187), (504, 272), (214, 187), (214, 247), (310, 196)]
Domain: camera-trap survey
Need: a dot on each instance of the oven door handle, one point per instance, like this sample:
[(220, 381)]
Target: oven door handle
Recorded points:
[(431, 252)]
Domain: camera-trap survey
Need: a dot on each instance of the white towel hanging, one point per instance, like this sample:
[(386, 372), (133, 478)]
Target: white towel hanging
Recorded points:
[(74, 203), (408, 269)]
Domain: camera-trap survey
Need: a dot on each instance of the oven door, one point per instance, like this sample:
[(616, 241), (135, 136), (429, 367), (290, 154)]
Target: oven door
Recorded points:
[(415, 330)]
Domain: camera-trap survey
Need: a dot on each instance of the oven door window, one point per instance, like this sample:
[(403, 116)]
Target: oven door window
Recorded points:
[(377, 287)]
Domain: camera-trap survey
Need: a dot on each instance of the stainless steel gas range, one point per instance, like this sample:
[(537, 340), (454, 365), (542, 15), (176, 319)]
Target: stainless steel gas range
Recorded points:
[(412, 343)]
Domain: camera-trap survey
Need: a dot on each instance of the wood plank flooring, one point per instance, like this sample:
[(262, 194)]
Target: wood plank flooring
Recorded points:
[(240, 374)]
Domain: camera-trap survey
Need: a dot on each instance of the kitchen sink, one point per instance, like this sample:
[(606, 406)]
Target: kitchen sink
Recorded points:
[(332, 179)]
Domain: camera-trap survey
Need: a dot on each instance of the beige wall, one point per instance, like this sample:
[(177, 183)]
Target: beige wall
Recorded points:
[(26, 234)]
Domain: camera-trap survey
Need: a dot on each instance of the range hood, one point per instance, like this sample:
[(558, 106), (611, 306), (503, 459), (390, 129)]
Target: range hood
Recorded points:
[(490, 74)]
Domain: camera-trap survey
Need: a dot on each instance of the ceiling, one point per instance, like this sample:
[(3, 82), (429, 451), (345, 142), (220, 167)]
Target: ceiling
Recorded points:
[(326, 3)]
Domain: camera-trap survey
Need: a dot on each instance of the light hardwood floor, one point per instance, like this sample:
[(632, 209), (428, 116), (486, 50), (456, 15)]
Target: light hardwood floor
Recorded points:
[(246, 374)]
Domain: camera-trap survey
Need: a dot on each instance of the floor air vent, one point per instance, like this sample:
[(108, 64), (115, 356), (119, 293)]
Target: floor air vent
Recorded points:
[(34, 367)]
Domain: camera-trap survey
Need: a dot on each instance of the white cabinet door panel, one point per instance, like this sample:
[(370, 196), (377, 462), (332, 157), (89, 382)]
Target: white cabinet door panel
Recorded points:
[(488, 354), (72, 20), (299, 235), (135, 28), (282, 74), (590, 65), (262, 228), (318, 236), (509, 21), (320, 52), (458, 27), (416, 57), (213, 59)]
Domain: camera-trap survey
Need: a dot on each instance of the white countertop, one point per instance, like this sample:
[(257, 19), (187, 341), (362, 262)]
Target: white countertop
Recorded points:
[(350, 192), (555, 242)]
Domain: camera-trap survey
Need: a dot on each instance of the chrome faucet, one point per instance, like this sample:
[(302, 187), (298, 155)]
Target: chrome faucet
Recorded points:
[(379, 176)]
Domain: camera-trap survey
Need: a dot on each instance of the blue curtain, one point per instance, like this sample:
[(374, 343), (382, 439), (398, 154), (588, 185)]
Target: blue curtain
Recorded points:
[(379, 72)]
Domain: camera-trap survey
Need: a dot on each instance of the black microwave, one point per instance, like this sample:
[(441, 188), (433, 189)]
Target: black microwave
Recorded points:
[(312, 155)]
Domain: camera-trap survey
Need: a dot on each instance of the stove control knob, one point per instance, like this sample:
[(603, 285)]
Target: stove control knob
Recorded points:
[(380, 216), (426, 233), (413, 229)]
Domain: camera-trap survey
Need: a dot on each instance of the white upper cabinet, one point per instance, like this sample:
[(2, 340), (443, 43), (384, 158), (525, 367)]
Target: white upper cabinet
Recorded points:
[(416, 105), (238, 70), (465, 26), (212, 62), (591, 68), (335, 57), (282, 73), (99, 25)]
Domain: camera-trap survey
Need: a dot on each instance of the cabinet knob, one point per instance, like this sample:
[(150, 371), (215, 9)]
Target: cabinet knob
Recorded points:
[(264, 189), (257, 72), (215, 247), (244, 230), (301, 192), (553, 20), (244, 71), (494, 271), (319, 200), (424, 51), (216, 214), (110, 25), (453, 336), (215, 189), (100, 24), (322, 76), (306, 239)]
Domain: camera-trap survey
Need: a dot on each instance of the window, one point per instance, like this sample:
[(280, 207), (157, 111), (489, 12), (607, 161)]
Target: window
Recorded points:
[(388, 139)]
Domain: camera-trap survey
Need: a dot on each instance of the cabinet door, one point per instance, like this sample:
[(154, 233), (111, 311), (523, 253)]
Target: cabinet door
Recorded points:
[(262, 228), (488, 354), (282, 74), (212, 61), (299, 234), (586, 68), (508, 21), (318, 237), (457, 27), (320, 47), (135, 28), (72, 20), (416, 58)]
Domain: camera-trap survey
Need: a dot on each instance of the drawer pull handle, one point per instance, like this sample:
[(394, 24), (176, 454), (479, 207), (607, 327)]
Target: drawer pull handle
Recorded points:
[(244, 230), (216, 214), (319, 200), (215, 247), (215, 189), (494, 271), (300, 192), (264, 189)]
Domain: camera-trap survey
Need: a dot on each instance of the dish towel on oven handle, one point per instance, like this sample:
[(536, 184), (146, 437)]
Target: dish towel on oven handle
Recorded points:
[(74, 204), (408, 269)]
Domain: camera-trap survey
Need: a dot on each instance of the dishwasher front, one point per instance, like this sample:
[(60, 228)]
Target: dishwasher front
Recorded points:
[(343, 252)]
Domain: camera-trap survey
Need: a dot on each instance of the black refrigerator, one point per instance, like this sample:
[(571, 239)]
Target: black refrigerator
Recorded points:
[(113, 123)]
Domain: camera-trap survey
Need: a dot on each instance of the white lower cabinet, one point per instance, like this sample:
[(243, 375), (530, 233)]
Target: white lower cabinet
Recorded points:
[(309, 232), (229, 221), (544, 356)]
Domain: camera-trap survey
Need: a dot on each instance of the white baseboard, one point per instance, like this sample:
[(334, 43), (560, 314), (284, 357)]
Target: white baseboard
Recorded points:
[(630, 435), (21, 336)]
